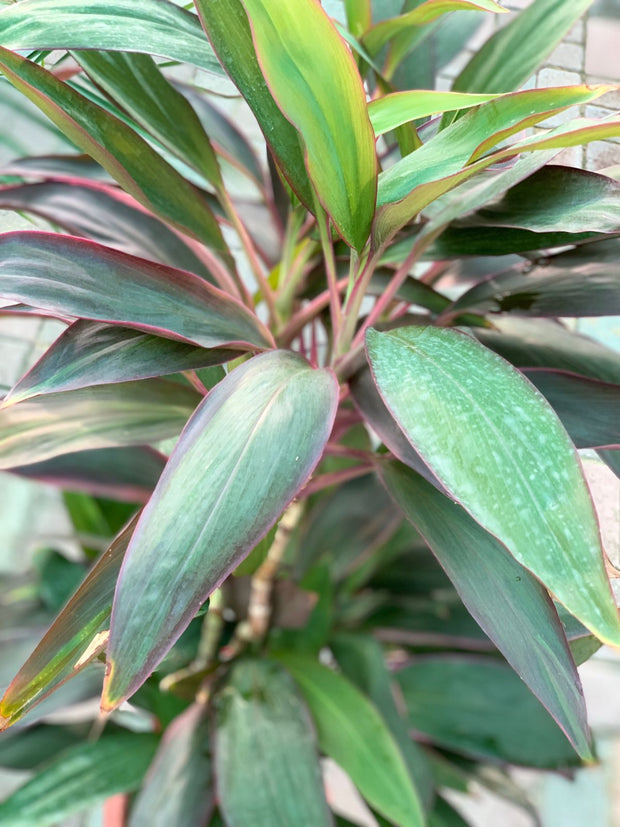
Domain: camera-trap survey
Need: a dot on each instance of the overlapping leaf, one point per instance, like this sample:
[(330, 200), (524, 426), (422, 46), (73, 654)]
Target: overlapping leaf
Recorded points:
[(506, 600), (393, 110), (80, 278), (221, 491), (500, 450)]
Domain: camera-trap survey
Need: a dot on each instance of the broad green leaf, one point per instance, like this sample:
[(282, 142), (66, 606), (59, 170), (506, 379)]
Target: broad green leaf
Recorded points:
[(102, 213), (266, 760), (128, 474), (359, 16), (79, 778), (514, 53), (588, 408), (580, 282), (393, 110), (497, 447), (506, 600), (229, 31), (204, 517), (137, 85), (130, 413), (153, 26), (78, 634), (72, 277), (317, 86), (128, 158), (91, 353), (177, 788), (363, 662), (28, 748), (353, 733), (480, 707)]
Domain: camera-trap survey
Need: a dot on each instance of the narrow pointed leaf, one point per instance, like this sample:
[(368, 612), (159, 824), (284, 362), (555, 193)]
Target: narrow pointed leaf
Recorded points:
[(204, 517), (80, 278), (506, 600), (130, 413), (177, 787), (317, 86), (481, 708), (514, 53), (394, 110), (128, 474), (104, 214), (353, 733), (90, 353), (499, 449), (259, 713), (156, 27), (359, 16), (229, 31), (78, 634), (128, 158), (79, 778)]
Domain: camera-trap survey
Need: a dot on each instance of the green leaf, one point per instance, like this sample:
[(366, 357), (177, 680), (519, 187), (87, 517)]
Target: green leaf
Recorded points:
[(505, 599), (128, 158), (497, 447), (393, 110), (79, 778), (69, 276), (90, 353), (481, 708), (514, 53), (354, 734), (316, 84), (28, 748), (204, 517), (266, 760), (153, 26), (229, 31), (359, 16), (78, 634), (177, 788), (130, 413), (137, 85)]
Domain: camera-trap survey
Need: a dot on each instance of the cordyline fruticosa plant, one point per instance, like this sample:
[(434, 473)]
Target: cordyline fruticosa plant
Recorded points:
[(353, 338)]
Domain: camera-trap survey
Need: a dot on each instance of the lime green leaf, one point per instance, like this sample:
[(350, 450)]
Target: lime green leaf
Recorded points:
[(353, 733), (203, 517), (156, 27), (266, 760), (78, 634), (401, 107), (481, 708), (315, 83), (79, 778), (177, 788), (72, 277), (125, 155), (90, 353), (130, 413), (359, 16), (506, 600), (515, 52), (497, 447)]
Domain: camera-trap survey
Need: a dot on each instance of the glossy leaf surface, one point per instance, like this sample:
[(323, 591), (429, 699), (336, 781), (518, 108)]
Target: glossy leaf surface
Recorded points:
[(266, 760), (317, 86), (506, 600), (481, 708), (80, 777), (353, 733), (74, 638), (154, 26), (90, 353), (177, 787), (205, 516), (128, 158), (80, 278), (130, 413), (393, 110), (499, 449)]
